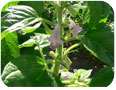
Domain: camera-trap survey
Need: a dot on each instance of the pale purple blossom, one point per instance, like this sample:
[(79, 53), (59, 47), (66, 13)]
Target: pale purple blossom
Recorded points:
[(64, 75), (76, 29), (55, 38)]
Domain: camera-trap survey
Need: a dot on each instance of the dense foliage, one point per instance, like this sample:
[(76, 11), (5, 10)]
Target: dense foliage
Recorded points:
[(33, 38)]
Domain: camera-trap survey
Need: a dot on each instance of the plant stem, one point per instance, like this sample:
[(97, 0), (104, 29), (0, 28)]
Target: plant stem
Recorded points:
[(70, 48), (66, 81), (60, 47), (56, 67), (48, 22), (73, 38), (41, 53), (48, 29)]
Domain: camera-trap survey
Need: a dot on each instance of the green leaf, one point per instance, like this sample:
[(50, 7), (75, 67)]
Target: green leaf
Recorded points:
[(72, 11), (23, 71), (30, 29), (82, 74), (100, 42), (12, 3), (103, 78), (19, 18), (28, 43), (38, 6), (41, 39), (29, 70), (99, 11), (9, 48), (4, 34), (47, 79), (86, 15)]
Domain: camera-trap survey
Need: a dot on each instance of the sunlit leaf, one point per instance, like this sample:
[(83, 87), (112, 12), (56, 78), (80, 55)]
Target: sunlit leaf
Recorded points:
[(82, 74), (41, 39), (100, 42), (23, 71), (12, 3), (9, 48), (19, 18), (99, 12), (103, 78)]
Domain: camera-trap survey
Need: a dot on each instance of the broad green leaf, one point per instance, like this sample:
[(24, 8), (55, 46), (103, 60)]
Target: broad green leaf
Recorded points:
[(4, 34), (38, 6), (41, 39), (100, 42), (82, 74), (30, 29), (23, 71), (99, 11), (12, 3), (9, 48), (28, 70), (19, 18), (103, 78), (28, 43), (47, 79)]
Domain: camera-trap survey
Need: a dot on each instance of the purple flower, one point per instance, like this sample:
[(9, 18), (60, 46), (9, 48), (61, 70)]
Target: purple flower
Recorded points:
[(55, 38), (76, 29)]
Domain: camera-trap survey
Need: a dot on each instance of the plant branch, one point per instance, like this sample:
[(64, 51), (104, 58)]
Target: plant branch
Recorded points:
[(41, 53), (70, 48), (48, 29), (48, 22), (73, 38)]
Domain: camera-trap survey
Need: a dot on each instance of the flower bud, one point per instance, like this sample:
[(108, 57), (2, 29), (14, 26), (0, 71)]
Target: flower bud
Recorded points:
[(52, 54)]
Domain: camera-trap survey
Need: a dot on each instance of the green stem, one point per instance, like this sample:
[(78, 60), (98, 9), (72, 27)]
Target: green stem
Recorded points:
[(66, 81), (70, 48), (56, 67), (72, 85), (60, 47), (41, 53), (73, 38), (48, 22), (50, 61), (47, 28)]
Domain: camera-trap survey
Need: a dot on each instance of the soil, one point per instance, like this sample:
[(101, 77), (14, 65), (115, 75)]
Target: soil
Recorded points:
[(83, 59)]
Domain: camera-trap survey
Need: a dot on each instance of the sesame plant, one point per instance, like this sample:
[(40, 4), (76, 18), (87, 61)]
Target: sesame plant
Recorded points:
[(33, 39)]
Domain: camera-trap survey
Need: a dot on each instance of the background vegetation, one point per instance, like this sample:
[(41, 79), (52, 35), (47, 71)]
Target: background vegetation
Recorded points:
[(22, 64)]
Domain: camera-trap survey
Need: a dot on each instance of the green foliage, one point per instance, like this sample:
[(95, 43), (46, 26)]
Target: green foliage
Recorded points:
[(47, 79), (79, 78), (9, 48), (23, 71), (85, 15), (72, 11), (82, 74), (19, 18), (99, 12), (40, 39), (38, 6), (24, 40), (103, 78), (28, 70), (100, 42)]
